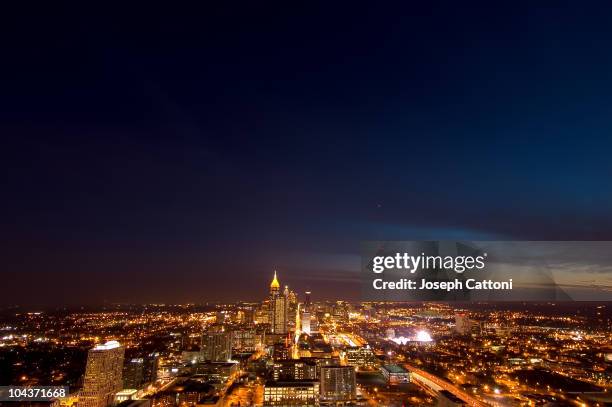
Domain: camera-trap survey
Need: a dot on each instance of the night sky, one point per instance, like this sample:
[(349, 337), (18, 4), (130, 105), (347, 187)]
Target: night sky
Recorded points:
[(174, 155)]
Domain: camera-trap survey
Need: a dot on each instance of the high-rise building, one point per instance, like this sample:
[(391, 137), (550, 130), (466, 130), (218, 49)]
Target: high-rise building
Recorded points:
[(262, 313), (217, 346), (274, 286), (314, 323), (102, 375), (292, 307), (220, 318), (307, 301), (149, 369), (305, 320), (279, 315), (338, 384), (138, 372), (278, 304), (133, 373)]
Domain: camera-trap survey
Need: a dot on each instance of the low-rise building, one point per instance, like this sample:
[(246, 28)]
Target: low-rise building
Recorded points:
[(291, 393), (395, 374)]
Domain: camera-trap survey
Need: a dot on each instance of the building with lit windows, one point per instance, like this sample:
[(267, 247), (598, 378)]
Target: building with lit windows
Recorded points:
[(361, 357), (246, 340), (278, 308), (102, 375), (338, 385), (291, 393), (138, 372), (294, 369), (305, 320), (216, 346)]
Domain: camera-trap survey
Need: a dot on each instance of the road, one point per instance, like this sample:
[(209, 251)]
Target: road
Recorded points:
[(470, 400)]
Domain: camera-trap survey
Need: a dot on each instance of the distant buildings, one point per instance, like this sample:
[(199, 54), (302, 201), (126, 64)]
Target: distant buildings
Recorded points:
[(463, 325), (102, 375), (467, 326), (338, 384)]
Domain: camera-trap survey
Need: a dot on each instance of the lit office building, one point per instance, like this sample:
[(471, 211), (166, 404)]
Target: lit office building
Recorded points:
[(361, 357), (139, 372), (338, 384), (216, 346), (305, 320), (102, 375), (280, 351), (307, 301), (293, 393), (246, 340), (294, 369)]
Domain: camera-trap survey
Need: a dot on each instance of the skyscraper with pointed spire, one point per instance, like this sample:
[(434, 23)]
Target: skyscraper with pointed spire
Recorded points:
[(278, 308), (274, 286)]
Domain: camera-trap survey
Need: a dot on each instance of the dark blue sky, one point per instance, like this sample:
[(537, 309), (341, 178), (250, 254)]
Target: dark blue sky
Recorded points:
[(159, 154)]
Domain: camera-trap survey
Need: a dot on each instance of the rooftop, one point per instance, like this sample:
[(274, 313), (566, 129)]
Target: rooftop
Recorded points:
[(394, 369), (108, 345)]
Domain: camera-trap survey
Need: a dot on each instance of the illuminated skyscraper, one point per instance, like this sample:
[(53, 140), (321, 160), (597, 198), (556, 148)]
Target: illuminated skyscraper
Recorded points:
[(279, 315), (292, 307), (274, 286), (305, 319), (102, 375), (307, 301), (278, 308)]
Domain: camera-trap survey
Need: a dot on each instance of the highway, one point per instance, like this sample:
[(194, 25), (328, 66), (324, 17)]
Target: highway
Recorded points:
[(443, 384)]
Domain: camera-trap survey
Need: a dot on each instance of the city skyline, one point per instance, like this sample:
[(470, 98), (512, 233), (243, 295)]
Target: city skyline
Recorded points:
[(378, 354), (310, 204)]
